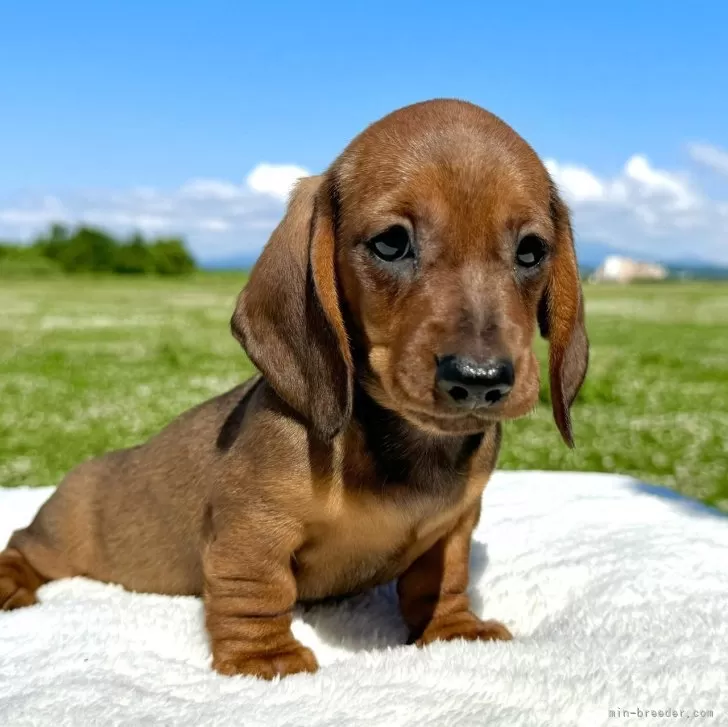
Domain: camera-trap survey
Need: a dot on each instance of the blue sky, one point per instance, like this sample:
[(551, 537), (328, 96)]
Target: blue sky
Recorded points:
[(159, 115)]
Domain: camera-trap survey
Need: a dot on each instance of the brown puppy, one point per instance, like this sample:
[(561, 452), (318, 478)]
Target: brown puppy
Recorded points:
[(392, 315)]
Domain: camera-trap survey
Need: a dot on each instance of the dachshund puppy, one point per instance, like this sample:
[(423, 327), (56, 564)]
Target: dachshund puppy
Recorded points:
[(391, 316)]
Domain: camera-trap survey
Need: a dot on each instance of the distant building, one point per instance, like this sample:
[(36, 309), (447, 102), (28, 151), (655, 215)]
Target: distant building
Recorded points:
[(619, 269)]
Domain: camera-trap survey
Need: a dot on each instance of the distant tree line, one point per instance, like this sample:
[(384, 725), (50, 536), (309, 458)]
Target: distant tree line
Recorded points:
[(91, 250)]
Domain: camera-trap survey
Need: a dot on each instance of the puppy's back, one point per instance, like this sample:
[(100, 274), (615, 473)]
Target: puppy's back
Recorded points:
[(136, 516)]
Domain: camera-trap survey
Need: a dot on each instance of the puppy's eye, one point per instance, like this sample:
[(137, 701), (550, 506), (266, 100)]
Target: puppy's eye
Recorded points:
[(531, 251), (392, 244)]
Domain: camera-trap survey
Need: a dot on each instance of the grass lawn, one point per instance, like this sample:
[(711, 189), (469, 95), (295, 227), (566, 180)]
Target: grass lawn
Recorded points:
[(91, 365)]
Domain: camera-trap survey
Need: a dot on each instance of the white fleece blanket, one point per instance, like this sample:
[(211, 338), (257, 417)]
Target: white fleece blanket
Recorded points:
[(616, 592)]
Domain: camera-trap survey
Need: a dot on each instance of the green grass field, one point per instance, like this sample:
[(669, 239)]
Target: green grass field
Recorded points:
[(90, 365)]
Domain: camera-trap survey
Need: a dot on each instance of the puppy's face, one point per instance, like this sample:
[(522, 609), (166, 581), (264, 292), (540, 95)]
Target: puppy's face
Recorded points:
[(421, 263), (444, 242)]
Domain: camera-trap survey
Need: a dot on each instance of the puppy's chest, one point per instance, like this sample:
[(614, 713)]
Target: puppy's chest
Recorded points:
[(361, 538)]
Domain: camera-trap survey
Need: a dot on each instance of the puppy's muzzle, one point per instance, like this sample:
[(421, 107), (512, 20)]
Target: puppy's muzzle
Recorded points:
[(469, 384)]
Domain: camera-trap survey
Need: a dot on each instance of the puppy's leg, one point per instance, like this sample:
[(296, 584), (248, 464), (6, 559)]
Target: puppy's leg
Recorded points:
[(18, 580), (433, 592), (50, 547), (250, 593)]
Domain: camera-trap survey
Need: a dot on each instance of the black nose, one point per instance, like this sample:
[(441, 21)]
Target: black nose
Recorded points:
[(469, 384)]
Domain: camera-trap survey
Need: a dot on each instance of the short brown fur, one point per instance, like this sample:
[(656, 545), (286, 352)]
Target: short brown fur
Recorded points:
[(340, 466)]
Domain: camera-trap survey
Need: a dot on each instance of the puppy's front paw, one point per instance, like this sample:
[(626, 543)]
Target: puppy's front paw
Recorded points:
[(463, 625), (267, 665)]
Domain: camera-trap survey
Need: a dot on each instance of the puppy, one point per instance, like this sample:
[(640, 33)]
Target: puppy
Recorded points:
[(392, 315)]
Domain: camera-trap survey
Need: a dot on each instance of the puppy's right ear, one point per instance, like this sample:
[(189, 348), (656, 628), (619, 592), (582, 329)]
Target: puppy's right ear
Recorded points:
[(561, 320), (288, 318)]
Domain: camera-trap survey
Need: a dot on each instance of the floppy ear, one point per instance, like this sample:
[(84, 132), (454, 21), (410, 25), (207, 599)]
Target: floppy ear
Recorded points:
[(561, 321), (288, 317)]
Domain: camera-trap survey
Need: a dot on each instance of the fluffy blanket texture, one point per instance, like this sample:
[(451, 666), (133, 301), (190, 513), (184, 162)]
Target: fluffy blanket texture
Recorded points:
[(616, 592)]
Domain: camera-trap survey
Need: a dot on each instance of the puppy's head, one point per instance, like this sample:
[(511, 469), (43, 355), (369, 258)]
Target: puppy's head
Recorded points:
[(422, 262)]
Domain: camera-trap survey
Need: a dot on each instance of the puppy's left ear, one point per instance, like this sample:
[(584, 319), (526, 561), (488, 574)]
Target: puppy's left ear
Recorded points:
[(288, 317), (561, 321)]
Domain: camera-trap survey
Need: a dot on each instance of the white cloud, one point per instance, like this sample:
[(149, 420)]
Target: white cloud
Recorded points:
[(644, 210), (211, 189), (218, 218), (641, 209), (710, 156), (638, 179), (655, 183), (579, 183), (276, 180), (214, 225), (35, 213)]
